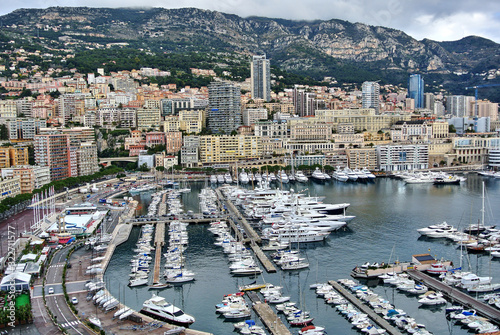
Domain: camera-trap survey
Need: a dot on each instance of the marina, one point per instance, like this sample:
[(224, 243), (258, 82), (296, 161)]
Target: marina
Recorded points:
[(366, 227)]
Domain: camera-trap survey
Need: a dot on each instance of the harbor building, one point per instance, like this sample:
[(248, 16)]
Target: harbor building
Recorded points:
[(402, 157)]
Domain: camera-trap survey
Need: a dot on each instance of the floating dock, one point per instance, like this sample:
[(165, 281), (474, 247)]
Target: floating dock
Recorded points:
[(159, 242), (268, 265), (365, 309), (267, 315), (457, 296)]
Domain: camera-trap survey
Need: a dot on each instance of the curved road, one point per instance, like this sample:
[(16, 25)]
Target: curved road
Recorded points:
[(56, 302)]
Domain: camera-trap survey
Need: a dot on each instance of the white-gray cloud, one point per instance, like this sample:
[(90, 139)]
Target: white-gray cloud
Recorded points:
[(437, 20)]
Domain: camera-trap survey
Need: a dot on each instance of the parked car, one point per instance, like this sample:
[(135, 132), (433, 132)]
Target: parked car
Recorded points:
[(74, 300), (51, 290)]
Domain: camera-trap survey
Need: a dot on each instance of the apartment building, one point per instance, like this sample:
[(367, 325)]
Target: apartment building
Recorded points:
[(86, 157), (362, 157), (402, 157), (31, 176), (10, 187), (225, 149), (148, 118), (11, 156), (192, 121), (173, 141), (24, 129), (54, 151), (155, 138), (252, 116)]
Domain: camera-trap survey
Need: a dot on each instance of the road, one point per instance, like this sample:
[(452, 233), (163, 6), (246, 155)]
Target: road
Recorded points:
[(56, 302)]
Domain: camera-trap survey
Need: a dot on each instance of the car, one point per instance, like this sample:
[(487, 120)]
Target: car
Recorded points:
[(59, 247), (74, 300), (51, 290)]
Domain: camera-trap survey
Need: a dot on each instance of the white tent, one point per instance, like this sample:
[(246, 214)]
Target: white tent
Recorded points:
[(20, 280)]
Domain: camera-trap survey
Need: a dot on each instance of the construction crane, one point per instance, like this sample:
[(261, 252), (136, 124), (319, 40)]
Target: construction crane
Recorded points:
[(475, 94)]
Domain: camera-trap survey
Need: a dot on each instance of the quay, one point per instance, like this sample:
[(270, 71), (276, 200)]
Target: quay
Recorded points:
[(252, 237), (267, 315), (159, 242), (457, 296), (365, 309)]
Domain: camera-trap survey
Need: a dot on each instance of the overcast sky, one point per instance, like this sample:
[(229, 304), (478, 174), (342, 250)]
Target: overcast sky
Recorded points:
[(435, 19)]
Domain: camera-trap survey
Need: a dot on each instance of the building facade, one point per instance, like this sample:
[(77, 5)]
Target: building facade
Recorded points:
[(416, 90), (402, 157), (54, 152), (371, 95), (260, 73), (224, 111)]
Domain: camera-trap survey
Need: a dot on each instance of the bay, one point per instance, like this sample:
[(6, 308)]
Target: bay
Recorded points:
[(388, 214)]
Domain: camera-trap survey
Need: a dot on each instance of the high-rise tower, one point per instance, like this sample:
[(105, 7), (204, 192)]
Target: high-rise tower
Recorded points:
[(224, 107), (416, 90), (371, 95), (261, 78)]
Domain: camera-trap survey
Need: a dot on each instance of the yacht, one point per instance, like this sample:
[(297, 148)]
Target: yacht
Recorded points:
[(340, 175), (213, 179), (243, 177), (368, 174), (361, 175), (282, 177), (351, 174), (318, 175), (432, 298), (432, 228), (138, 282), (158, 308), (227, 178), (300, 177), (220, 179)]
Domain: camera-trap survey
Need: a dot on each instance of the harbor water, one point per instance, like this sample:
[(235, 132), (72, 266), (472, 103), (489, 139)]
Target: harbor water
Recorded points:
[(388, 214)]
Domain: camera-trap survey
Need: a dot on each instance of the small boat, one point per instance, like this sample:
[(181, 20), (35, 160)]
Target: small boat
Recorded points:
[(237, 314), (159, 286), (432, 298), (138, 282), (252, 287), (121, 311), (311, 330), (95, 321)]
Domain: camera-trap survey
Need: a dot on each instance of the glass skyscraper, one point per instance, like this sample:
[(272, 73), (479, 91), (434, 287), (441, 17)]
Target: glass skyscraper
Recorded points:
[(371, 95), (416, 90)]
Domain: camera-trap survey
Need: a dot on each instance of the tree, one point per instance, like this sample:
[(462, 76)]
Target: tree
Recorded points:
[(144, 168), (451, 129), (4, 132), (160, 168)]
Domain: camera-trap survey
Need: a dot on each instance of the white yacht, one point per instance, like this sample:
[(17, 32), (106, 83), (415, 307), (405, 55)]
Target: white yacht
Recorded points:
[(340, 175), (158, 308), (300, 177), (213, 179), (432, 228), (361, 175), (220, 179), (227, 178), (243, 177), (368, 174), (351, 174), (318, 175), (282, 177)]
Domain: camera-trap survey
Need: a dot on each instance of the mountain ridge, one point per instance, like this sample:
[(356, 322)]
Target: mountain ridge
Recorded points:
[(317, 47)]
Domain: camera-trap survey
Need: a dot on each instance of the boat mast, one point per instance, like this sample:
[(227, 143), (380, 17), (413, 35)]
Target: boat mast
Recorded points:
[(482, 208)]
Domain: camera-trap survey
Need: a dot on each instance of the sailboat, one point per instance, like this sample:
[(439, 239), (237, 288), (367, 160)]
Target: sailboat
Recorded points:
[(479, 227)]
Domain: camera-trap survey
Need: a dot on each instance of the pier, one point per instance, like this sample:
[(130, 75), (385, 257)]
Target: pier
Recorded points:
[(159, 242), (268, 265), (365, 309), (267, 315), (457, 296)]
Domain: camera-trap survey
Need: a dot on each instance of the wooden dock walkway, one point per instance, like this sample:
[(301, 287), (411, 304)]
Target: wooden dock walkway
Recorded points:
[(457, 296), (268, 265), (267, 315), (365, 309), (159, 242)]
